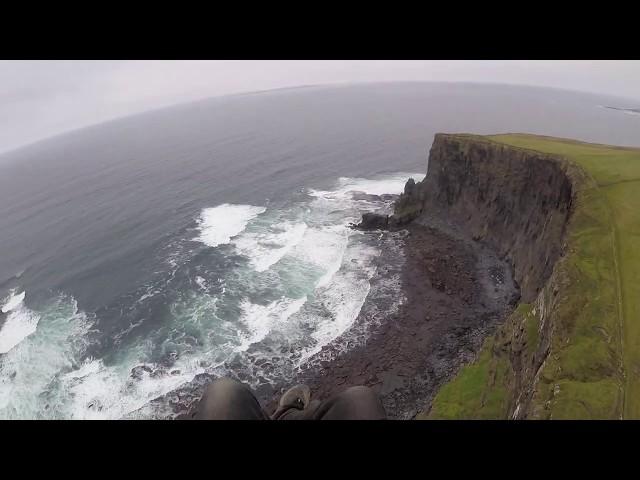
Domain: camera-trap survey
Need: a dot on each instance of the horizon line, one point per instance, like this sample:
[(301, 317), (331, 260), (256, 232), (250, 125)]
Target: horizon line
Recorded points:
[(116, 118)]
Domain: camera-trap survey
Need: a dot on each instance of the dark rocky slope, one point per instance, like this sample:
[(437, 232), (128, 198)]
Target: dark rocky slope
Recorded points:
[(455, 292)]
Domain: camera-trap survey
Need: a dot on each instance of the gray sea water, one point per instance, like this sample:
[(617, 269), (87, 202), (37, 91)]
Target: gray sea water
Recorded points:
[(141, 252)]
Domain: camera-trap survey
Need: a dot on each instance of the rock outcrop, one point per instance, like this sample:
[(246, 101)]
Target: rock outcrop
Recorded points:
[(373, 221)]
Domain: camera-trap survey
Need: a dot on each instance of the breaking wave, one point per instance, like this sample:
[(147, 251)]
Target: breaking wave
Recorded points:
[(218, 225), (267, 248), (20, 323)]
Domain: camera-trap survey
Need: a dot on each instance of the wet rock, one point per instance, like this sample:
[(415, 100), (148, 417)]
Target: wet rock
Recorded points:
[(139, 370), (373, 221), (365, 196)]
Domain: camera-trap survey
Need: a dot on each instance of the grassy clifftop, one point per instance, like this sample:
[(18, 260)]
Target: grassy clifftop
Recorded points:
[(583, 329)]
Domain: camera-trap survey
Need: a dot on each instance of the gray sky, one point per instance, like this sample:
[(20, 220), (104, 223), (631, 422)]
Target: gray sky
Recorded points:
[(39, 99)]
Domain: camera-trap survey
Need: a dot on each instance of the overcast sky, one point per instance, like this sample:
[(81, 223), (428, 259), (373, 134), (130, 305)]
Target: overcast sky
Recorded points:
[(39, 99)]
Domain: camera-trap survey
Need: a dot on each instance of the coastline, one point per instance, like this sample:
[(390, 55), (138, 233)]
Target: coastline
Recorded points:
[(436, 296), (455, 291)]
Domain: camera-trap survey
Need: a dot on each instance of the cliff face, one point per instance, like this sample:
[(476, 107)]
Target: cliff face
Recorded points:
[(559, 354), (515, 200)]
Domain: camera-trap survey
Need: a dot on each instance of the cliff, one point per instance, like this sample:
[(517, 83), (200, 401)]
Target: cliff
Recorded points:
[(516, 200), (539, 203)]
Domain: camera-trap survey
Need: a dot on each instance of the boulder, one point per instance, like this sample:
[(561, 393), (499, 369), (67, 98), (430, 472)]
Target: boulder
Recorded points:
[(373, 221)]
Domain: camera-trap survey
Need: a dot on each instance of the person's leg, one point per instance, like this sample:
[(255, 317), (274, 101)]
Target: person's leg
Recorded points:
[(227, 399), (355, 403)]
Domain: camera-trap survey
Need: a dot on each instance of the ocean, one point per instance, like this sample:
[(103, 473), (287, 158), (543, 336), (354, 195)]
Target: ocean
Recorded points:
[(213, 237)]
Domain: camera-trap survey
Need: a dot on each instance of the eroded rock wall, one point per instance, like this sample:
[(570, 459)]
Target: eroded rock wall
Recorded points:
[(518, 201)]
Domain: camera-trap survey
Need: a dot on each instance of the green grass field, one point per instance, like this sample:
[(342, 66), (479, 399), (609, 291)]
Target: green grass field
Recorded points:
[(593, 366)]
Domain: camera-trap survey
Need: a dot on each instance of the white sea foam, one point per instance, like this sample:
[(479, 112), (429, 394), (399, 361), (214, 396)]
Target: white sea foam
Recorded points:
[(151, 291), (43, 377), (19, 324), (13, 301), (268, 248), (218, 225), (29, 371), (98, 391), (344, 260), (393, 184), (390, 184), (109, 391), (324, 248), (343, 296), (202, 283), (259, 320)]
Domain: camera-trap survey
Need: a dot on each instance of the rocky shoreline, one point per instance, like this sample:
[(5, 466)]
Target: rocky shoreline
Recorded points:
[(456, 290), (436, 296)]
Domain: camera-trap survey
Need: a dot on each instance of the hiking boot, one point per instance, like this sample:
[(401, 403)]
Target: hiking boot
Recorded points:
[(296, 399)]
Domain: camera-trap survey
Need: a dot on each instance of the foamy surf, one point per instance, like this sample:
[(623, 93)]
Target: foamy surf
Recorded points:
[(218, 225), (268, 248), (342, 297), (29, 372), (20, 323), (260, 320), (388, 184), (12, 301), (97, 391), (324, 248)]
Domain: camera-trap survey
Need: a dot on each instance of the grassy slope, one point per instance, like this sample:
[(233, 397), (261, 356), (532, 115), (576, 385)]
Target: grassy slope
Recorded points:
[(597, 324)]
